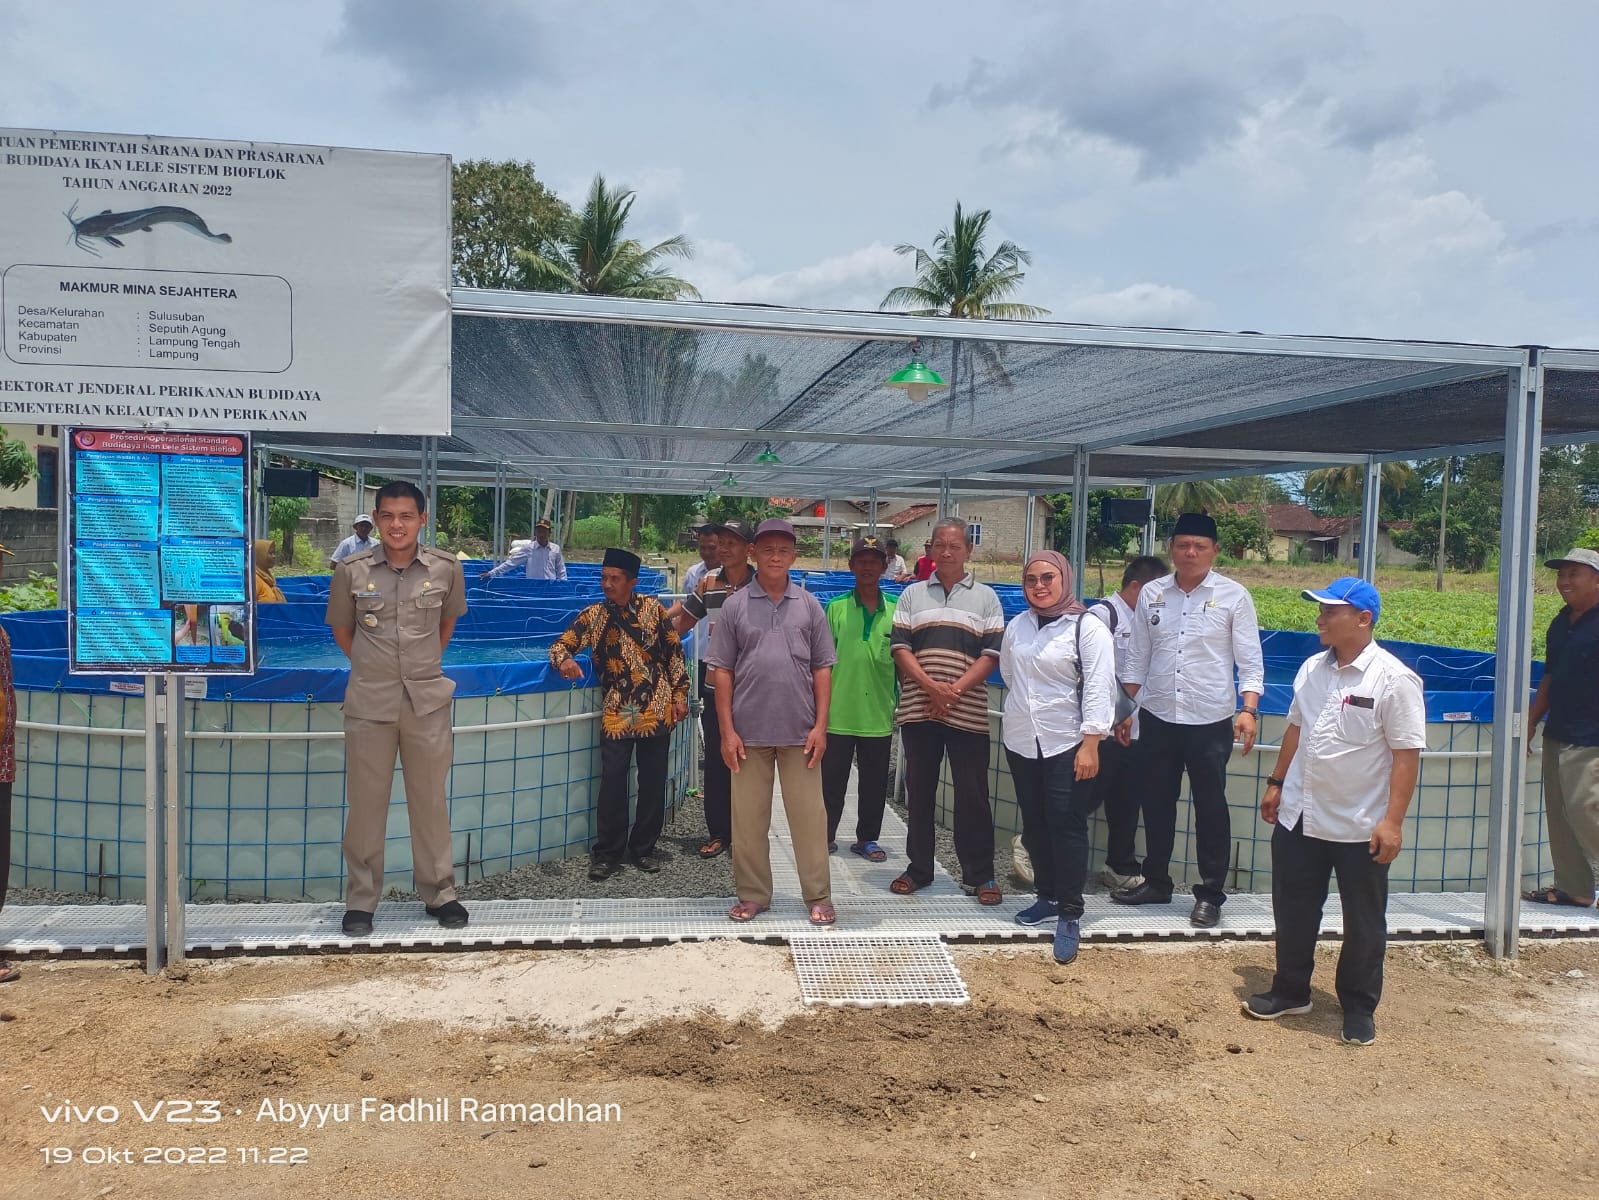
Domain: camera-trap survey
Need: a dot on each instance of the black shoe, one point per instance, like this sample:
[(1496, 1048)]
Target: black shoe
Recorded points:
[(1205, 915), (648, 863), (451, 914), (1360, 1029), (357, 923), (1268, 1006), (600, 870), (1143, 893)]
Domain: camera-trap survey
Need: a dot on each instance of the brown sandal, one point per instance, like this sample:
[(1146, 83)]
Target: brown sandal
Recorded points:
[(745, 910), (988, 894), (712, 848), (904, 885)]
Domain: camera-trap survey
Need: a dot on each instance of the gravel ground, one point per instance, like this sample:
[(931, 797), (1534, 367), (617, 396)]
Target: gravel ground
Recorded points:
[(683, 872)]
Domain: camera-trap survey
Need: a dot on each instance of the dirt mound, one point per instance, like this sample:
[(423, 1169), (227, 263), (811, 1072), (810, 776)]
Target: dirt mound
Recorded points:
[(902, 1062)]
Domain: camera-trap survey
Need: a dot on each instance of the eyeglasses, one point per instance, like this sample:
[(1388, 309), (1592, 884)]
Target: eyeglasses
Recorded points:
[(1039, 580)]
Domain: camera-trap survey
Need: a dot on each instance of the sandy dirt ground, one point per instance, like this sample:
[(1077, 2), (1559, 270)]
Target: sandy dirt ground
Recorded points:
[(1129, 1074)]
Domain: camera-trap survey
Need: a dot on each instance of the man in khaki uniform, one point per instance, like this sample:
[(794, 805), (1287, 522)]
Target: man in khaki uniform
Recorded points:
[(392, 610)]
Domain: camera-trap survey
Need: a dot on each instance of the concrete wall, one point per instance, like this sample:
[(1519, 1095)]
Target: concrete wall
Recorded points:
[(31, 536), (1003, 520)]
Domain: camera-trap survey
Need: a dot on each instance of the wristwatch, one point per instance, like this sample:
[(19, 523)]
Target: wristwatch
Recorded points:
[(1254, 712), (1273, 781)]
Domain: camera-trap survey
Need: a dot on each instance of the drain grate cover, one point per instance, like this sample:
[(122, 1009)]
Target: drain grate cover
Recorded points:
[(881, 969)]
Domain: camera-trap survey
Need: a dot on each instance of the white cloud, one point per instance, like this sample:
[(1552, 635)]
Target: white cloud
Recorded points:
[(1136, 304), (858, 279), (1409, 224)]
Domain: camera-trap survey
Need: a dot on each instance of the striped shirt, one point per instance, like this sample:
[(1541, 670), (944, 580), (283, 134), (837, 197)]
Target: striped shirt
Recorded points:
[(948, 632), (706, 601)]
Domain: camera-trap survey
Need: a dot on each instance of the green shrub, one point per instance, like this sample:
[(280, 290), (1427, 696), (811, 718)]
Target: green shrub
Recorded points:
[(39, 592), (1468, 620), (595, 533)]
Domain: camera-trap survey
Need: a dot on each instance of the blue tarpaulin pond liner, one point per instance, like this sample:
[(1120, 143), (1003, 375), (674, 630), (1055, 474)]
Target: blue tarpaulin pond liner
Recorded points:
[(266, 770)]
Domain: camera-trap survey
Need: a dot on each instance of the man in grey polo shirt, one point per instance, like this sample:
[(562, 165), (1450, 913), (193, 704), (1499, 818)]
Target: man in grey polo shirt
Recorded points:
[(773, 655)]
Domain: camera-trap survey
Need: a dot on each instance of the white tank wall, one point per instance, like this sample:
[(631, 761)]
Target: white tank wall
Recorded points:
[(266, 816), (1446, 829)]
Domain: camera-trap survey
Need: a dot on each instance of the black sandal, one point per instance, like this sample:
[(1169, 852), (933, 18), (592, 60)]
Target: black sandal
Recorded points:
[(712, 848), (9, 972), (1553, 895)]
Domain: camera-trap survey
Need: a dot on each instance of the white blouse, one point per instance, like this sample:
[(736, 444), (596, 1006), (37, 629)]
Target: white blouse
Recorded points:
[(1041, 673)]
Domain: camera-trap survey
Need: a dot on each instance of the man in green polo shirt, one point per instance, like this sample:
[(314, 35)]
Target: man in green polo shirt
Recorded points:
[(860, 724)]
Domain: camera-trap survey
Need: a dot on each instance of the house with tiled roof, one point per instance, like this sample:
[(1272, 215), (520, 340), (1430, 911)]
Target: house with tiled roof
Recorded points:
[(996, 524), (1296, 532)]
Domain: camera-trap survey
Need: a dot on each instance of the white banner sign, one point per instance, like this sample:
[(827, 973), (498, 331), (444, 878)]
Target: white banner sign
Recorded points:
[(152, 282)]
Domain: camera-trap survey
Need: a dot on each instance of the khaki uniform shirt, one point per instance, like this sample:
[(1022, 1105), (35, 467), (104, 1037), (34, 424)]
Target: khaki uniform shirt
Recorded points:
[(396, 615)]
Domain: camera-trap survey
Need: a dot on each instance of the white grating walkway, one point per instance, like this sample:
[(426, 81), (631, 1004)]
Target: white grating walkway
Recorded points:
[(869, 970), (860, 893)]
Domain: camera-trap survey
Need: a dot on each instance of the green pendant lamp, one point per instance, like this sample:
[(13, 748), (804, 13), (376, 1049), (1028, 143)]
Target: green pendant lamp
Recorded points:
[(768, 456), (916, 377)]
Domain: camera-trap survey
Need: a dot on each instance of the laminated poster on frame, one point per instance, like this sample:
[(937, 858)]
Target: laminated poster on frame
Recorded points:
[(158, 535)]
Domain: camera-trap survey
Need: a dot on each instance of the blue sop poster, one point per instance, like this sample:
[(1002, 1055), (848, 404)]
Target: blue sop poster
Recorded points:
[(161, 578)]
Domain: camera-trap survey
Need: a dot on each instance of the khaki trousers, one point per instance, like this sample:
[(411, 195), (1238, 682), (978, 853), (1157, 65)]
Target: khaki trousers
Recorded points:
[(425, 747), (1571, 811), (752, 823)]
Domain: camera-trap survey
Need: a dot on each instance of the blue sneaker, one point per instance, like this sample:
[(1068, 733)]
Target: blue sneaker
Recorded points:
[(1067, 936), (1039, 912)]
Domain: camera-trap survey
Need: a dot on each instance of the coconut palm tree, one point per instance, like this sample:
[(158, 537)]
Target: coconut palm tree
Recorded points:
[(592, 254), (1191, 495), (958, 280), (1330, 485)]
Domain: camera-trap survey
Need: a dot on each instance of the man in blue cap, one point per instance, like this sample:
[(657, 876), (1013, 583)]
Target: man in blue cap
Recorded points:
[(1337, 795)]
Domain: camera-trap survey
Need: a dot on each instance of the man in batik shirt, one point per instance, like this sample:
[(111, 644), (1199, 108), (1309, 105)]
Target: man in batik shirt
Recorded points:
[(644, 680)]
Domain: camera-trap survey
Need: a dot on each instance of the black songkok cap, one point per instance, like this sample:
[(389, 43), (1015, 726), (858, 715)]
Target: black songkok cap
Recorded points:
[(625, 561), (1197, 525)]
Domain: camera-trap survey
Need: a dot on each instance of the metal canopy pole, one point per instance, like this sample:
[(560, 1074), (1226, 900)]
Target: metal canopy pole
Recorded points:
[(262, 500), (1149, 525), (871, 504), (430, 489), (360, 491), (943, 497), (155, 892), (1027, 529), (1079, 546), (177, 825), (1370, 505), (1513, 657), (499, 510), (827, 534)]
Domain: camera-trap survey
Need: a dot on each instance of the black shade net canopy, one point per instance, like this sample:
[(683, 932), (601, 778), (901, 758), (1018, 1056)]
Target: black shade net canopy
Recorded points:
[(606, 394)]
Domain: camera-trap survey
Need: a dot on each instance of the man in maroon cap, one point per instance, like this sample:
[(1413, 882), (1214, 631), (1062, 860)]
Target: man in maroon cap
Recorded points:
[(772, 654)]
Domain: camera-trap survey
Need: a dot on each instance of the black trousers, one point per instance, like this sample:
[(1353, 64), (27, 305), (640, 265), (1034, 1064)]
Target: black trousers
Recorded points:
[(1055, 811), (1118, 786), (1202, 750), (1300, 869), (872, 753), (717, 785), (926, 743), (611, 832)]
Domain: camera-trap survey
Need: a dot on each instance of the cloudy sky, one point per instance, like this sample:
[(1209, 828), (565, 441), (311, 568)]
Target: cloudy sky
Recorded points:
[(1413, 169)]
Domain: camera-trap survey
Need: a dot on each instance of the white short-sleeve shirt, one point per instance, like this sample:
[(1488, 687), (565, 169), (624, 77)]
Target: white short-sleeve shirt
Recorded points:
[(1351, 719), (1185, 646)]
